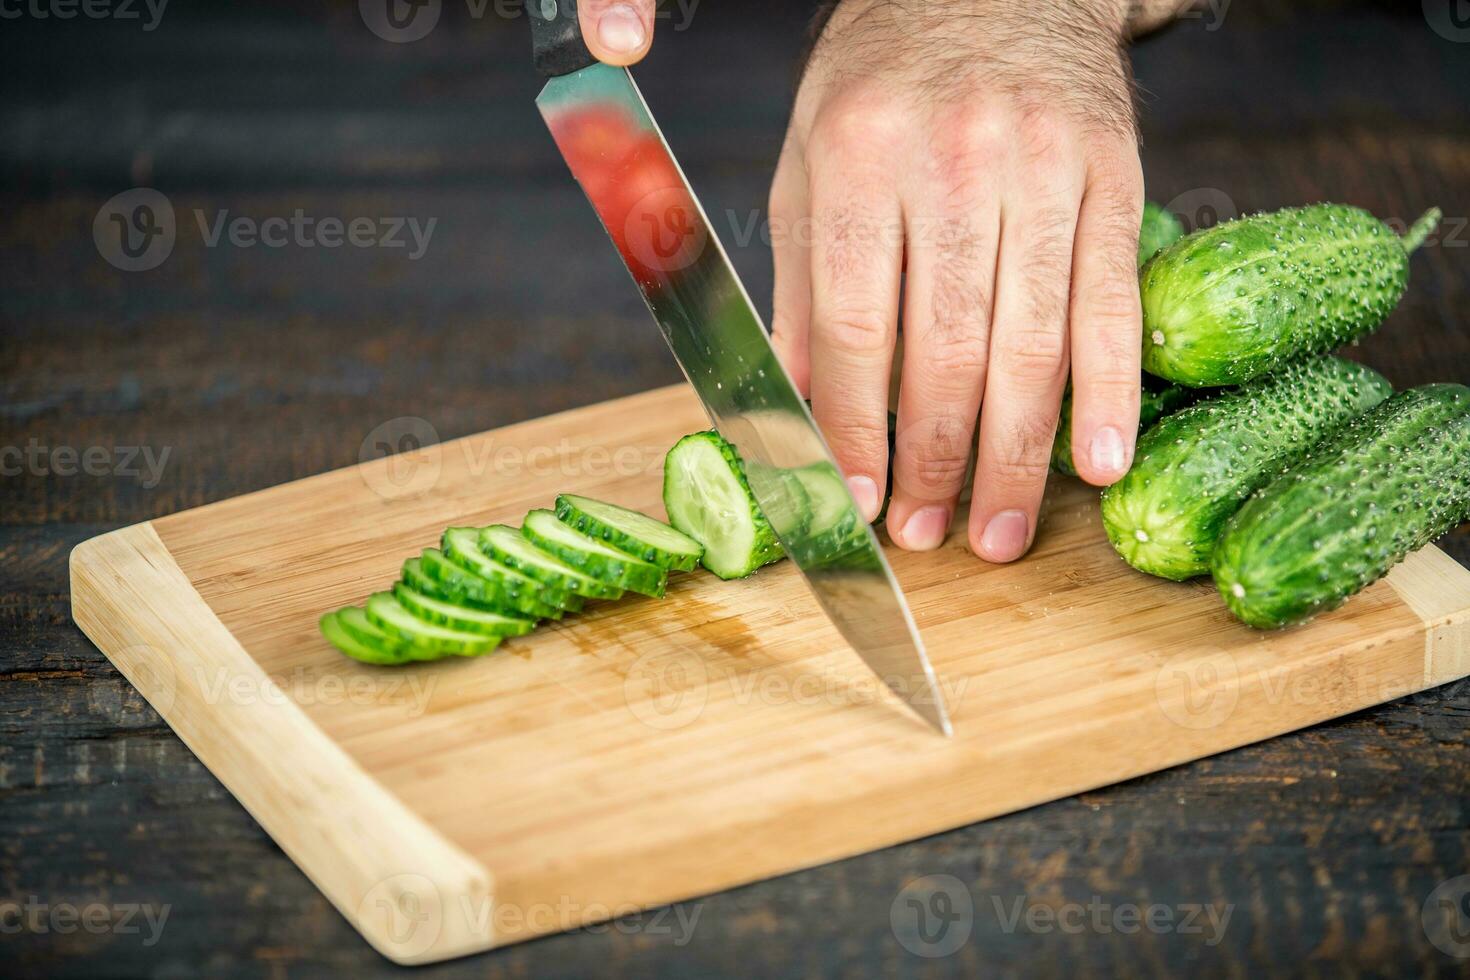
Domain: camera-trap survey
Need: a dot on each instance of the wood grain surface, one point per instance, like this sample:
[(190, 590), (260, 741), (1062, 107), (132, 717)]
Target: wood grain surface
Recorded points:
[(729, 715), (251, 367)]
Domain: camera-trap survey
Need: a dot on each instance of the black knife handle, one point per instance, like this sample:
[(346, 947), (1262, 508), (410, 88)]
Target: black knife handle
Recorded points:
[(556, 37)]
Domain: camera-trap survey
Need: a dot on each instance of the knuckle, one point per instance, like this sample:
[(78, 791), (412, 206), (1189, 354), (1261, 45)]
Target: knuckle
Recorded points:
[(860, 444), (861, 331), (934, 456), (857, 120), (1033, 356), (952, 362), (1021, 459), (1110, 391)]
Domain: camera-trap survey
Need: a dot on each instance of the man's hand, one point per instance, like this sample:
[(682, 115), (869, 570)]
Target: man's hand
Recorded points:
[(984, 152), (617, 32)]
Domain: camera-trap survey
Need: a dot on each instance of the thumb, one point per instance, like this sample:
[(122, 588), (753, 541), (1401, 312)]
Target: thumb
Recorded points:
[(617, 32)]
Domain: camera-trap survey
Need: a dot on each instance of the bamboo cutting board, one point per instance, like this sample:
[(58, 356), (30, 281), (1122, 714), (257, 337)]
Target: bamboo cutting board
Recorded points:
[(648, 751)]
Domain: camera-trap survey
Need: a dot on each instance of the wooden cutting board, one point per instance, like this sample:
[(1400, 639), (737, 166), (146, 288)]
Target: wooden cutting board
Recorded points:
[(649, 751)]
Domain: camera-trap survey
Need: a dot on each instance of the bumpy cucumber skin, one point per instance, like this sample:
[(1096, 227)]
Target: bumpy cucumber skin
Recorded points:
[(574, 516), (438, 576), (1157, 400), (1230, 303), (766, 548), (1384, 486), (1159, 229), (430, 608), (625, 572), (1193, 469), (559, 575)]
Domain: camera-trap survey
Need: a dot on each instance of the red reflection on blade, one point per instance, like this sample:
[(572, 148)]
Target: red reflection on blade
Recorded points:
[(635, 187)]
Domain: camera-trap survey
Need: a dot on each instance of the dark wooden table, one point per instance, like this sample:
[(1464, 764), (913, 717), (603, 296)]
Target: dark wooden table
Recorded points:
[(250, 366)]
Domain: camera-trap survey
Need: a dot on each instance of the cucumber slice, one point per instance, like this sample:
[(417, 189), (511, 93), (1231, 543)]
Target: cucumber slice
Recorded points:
[(798, 517), (831, 507), (506, 545), (591, 557), (426, 641), (437, 576), (464, 618), (462, 546), (357, 644), (629, 531), (708, 498)]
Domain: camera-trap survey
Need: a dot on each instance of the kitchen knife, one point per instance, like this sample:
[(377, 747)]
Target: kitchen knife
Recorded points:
[(617, 153)]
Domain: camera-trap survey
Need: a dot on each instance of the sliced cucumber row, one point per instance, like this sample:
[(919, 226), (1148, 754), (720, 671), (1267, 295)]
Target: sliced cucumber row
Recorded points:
[(630, 532), (485, 585)]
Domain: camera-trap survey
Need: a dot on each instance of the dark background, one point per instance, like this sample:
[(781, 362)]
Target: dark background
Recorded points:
[(253, 366)]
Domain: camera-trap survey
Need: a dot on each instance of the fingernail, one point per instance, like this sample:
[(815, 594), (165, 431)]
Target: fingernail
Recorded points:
[(1005, 536), (925, 529), (865, 492), (1108, 455), (620, 29)]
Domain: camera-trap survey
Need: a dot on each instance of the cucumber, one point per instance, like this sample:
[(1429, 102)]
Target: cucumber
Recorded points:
[(366, 642), (707, 497), (1160, 228), (425, 640), (464, 618), (833, 523), (434, 574), (1230, 303), (1193, 469), (630, 532), (464, 547), (506, 545), (592, 557), (1337, 521), (1157, 400)]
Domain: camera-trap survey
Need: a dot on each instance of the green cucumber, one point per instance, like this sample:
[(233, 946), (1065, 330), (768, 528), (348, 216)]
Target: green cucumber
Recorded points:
[(592, 557), (508, 547), (707, 497), (834, 524), (1232, 302), (364, 642), (630, 532), (425, 640), (1193, 469), (1386, 485), (1157, 400), (434, 574), (465, 618), (464, 547), (1159, 228)]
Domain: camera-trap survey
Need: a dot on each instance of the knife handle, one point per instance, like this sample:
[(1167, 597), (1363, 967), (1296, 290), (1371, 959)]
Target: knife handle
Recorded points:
[(556, 37)]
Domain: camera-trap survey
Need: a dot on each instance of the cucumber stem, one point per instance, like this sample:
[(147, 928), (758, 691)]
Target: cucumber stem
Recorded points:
[(1421, 229)]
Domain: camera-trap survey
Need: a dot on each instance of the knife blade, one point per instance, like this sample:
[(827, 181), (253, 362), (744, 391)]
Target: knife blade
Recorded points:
[(618, 155)]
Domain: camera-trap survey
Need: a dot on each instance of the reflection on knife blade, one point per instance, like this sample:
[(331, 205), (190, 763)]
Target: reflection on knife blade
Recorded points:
[(616, 152)]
